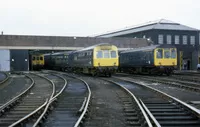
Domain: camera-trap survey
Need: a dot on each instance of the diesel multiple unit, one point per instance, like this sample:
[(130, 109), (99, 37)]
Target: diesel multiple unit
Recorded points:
[(95, 60), (156, 59)]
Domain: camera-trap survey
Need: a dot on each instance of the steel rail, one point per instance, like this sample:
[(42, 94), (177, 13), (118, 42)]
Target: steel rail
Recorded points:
[(18, 96), (150, 114), (191, 108), (50, 101), (53, 85), (30, 114), (7, 77), (86, 105), (137, 102)]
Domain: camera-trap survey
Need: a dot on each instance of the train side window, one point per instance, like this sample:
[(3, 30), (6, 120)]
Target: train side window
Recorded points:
[(99, 54), (173, 53), (159, 53), (106, 54), (34, 58), (38, 58), (113, 54), (166, 53), (41, 58)]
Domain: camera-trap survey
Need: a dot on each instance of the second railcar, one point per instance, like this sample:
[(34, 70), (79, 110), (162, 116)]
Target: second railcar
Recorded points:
[(58, 61), (95, 60), (156, 59)]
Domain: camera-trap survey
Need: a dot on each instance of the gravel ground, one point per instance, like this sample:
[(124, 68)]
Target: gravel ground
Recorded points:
[(106, 108), (2, 76), (14, 86)]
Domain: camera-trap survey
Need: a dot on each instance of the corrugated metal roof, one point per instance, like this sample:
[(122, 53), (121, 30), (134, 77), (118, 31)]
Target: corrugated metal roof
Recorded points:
[(157, 24)]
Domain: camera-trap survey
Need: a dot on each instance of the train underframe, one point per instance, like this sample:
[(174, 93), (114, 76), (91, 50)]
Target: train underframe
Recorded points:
[(96, 71), (154, 70), (37, 67)]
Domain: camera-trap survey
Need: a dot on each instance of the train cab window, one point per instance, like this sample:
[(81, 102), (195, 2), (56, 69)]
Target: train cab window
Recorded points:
[(38, 58), (106, 54), (159, 53), (166, 53), (99, 54), (41, 58), (34, 58), (173, 53), (113, 54)]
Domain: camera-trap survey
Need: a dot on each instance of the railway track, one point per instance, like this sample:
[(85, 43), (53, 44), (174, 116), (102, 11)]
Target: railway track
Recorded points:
[(70, 104), (195, 79), (173, 82), (113, 106), (187, 73), (12, 87), (167, 110), (30, 102)]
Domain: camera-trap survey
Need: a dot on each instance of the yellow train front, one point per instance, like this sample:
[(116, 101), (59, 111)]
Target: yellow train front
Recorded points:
[(37, 62), (101, 59), (156, 59)]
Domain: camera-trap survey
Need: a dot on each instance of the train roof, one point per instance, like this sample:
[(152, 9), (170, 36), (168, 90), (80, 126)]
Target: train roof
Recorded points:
[(59, 53), (92, 47), (148, 48)]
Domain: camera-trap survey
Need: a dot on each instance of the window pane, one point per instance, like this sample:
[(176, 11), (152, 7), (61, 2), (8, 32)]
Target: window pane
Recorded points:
[(185, 39), (173, 53), (106, 54), (37, 58), (167, 53), (159, 53), (99, 54), (113, 54), (34, 58), (41, 58), (176, 39), (169, 39), (192, 40), (160, 39)]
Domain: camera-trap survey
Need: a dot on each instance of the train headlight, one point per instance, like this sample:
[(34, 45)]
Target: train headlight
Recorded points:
[(160, 63)]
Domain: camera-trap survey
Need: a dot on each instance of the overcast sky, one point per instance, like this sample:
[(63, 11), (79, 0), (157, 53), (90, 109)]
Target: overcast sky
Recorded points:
[(89, 17)]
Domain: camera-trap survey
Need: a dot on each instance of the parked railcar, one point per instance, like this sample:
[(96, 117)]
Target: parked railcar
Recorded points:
[(58, 61), (156, 59), (95, 60), (37, 61)]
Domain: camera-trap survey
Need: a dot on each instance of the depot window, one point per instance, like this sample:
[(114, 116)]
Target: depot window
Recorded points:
[(176, 39), (160, 39), (159, 54), (169, 39), (173, 53), (99, 54), (113, 54), (166, 53)]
